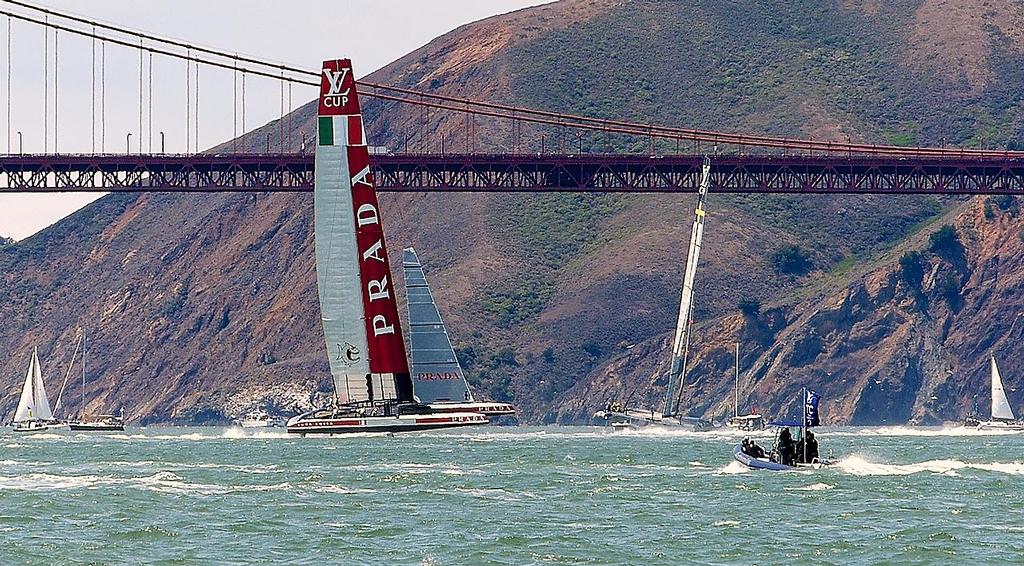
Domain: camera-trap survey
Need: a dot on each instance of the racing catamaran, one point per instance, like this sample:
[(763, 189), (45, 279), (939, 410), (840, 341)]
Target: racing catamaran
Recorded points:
[(365, 346), (437, 375), (33, 413), (1002, 417), (670, 415)]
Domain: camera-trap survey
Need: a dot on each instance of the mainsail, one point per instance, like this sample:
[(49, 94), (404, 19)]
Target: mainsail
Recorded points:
[(435, 368), (33, 404), (682, 334), (357, 302), (1000, 404)]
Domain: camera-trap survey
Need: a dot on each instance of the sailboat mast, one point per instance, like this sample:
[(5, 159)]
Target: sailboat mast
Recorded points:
[(81, 410), (682, 334), (736, 386)]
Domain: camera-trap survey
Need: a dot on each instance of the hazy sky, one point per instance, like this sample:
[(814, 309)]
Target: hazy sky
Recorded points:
[(299, 32)]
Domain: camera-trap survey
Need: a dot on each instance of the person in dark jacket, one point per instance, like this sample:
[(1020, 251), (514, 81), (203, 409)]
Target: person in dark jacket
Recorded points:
[(787, 448), (812, 447)]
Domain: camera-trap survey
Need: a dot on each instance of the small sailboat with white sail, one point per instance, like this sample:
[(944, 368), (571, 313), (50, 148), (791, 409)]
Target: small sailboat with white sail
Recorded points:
[(617, 412), (1002, 417), (437, 375), (33, 413), (373, 387)]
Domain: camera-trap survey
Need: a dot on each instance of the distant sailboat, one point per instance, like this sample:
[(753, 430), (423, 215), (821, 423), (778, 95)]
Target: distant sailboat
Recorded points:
[(33, 413), (750, 422), (363, 335), (670, 415), (1002, 414), (87, 422), (437, 376)]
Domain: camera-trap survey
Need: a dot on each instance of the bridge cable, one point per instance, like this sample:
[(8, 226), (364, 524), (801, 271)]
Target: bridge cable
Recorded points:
[(150, 95), (93, 104), (188, 105), (197, 107), (56, 90), (234, 109), (9, 57), (103, 97), (46, 90), (280, 120), (142, 102)]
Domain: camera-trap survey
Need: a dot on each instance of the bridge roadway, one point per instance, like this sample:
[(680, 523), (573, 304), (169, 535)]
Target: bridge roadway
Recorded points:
[(850, 174)]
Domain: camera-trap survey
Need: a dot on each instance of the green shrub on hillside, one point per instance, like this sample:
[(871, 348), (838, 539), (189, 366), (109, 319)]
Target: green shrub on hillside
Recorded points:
[(750, 307), (945, 243), (912, 269), (791, 260)]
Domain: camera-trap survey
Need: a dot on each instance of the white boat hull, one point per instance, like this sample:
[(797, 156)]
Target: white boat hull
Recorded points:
[(1001, 425), (37, 426)]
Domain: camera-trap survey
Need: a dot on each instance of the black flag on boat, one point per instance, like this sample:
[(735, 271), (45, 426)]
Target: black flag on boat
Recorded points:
[(811, 408)]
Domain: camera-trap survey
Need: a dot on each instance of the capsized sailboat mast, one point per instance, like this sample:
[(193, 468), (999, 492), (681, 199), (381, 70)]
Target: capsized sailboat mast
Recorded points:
[(682, 335)]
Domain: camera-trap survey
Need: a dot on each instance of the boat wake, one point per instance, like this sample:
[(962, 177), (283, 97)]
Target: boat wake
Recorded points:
[(859, 466), (920, 431)]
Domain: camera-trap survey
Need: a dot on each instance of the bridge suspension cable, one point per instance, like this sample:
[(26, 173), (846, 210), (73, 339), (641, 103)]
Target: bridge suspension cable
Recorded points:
[(517, 115)]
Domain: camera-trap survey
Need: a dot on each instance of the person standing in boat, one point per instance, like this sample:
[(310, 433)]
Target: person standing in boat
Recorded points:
[(787, 448), (811, 447)]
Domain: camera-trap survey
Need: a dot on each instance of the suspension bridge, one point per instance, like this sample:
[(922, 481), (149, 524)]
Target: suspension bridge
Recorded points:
[(446, 143)]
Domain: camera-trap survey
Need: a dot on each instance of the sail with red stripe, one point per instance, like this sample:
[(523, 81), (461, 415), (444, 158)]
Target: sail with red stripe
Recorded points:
[(357, 298)]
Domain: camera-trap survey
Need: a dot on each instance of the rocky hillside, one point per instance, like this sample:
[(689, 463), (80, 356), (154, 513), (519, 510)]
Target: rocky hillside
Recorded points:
[(199, 306)]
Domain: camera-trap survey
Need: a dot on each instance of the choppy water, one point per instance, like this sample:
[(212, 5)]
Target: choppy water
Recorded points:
[(505, 496)]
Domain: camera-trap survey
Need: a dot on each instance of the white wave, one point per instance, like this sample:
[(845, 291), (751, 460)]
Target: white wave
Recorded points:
[(726, 523), (820, 486), (920, 431), (342, 490), (236, 432), (733, 467), (859, 466)]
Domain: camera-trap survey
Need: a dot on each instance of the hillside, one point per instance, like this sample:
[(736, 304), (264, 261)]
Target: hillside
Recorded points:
[(200, 305)]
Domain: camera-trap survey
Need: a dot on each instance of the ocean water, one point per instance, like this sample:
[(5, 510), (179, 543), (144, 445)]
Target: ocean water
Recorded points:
[(506, 495)]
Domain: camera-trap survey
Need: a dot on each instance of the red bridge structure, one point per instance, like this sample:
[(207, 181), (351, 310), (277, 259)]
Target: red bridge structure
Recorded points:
[(873, 174), (669, 161)]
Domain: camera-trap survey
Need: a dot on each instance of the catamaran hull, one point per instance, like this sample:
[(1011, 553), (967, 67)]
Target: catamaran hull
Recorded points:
[(483, 408), (405, 423), (646, 418)]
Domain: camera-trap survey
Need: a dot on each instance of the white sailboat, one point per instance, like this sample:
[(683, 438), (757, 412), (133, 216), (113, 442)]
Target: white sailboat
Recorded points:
[(437, 375), (750, 422), (1002, 417), (363, 334), (33, 413), (670, 415)]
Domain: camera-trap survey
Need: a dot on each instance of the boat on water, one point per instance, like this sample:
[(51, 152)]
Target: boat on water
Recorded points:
[(788, 453), (747, 423), (33, 413), (260, 419), (670, 415), (89, 422), (1002, 417), (438, 377), (374, 390)]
